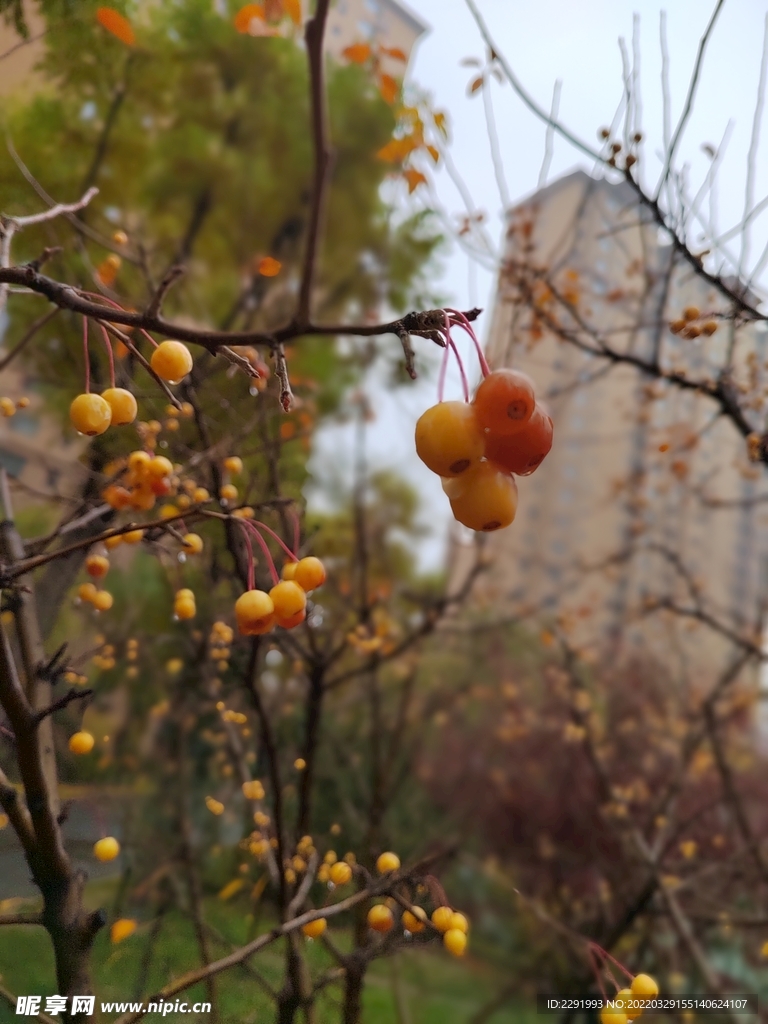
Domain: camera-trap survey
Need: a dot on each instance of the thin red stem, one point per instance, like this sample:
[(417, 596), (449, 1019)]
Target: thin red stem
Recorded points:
[(86, 357), (296, 531), (461, 321), (149, 337), (452, 343), (443, 368), (251, 571), (597, 968), (265, 549), (256, 522), (110, 355), (613, 960)]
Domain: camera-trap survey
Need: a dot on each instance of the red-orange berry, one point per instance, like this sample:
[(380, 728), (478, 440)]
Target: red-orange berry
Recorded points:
[(380, 918), (309, 573), (488, 500), (504, 402), (255, 613), (523, 452), (448, 438)]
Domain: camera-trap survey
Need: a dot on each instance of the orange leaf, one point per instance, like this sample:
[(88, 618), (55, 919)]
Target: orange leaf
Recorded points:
[(388, 88), (293, 10), (477, 84), (269, 266), (114, 22), (358, 53), (433, 153), (414, 179), (396, 150), (245, 16), (394, 52)]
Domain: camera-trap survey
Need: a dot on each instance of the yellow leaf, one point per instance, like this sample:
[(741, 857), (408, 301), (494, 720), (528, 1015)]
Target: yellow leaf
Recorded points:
[(433, 153), (477, 84), (388, 88), (414, 179), (440, 124), (114, 22), (395, 150), (358, 53), (395, 52), (269, 266), (293, 10), (245, 16), (231, 888)]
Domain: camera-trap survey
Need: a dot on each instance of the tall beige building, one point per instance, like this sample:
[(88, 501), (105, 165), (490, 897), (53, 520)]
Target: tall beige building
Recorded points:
[(611, 522)]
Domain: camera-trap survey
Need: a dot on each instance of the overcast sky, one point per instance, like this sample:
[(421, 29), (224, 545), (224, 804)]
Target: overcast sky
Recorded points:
[(577, 43)]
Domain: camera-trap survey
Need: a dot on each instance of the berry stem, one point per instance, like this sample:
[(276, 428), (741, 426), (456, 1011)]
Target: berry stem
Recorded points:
[(272, 533), (443, 368), (597, 968), (110, 355), (148, 337), (86, 356), (296, 531), (452, 343), (251, 584), (459, 320), (606, 955), (265, 549)]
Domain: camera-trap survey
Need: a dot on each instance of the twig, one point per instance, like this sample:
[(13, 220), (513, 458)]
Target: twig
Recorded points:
[(171, 276), (26, 338), (62, 702)]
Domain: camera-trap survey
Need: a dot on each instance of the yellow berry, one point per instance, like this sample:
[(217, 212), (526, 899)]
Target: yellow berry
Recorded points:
[(81, 743), (387, 863), (193, 543), (106, 849), (159, 467), (120, 238), (234, 464), (644, 987), (228, 492), (103, 600), (455, 941), (171, 361), (314, 929), (123, 405), (289, 571), (7, 406), (341, 873), (199, 495), (309, 573), (255, 613), (622, 1001), (299, 764), (289, 600), (87, 592), (612, 1015), (97, 566), (122, 929), (90, 414), (380, 918), (133, 536), (414, 922), (459, 923), (441, 918), (168, 511), (24, 402)]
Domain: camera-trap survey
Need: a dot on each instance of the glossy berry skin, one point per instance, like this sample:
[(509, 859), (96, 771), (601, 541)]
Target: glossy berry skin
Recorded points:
[(291, 621), (448, 438), (522, 453), (488, 501), (289, 571), (97, 566), (340, 873), (644, 987), (255, 613), (309, 573), (625, 998), (314, 929), (288, 598), (87, 592), (193, 543), (90, 414), (455, 941), (81, 743), (387, 863), (103, 600), (459, 922), (171, 360), (123, 405), (106, 849), (504, 402), (441, 918), (234, 464), (412, 923), (380, 918)]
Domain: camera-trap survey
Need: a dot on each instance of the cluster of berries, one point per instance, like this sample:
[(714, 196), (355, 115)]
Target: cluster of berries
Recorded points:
[(257, 611), (692, 325), (626, 1004), (477, 447), (184, 606), (141, 481), (9, 408), (381, 917)]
